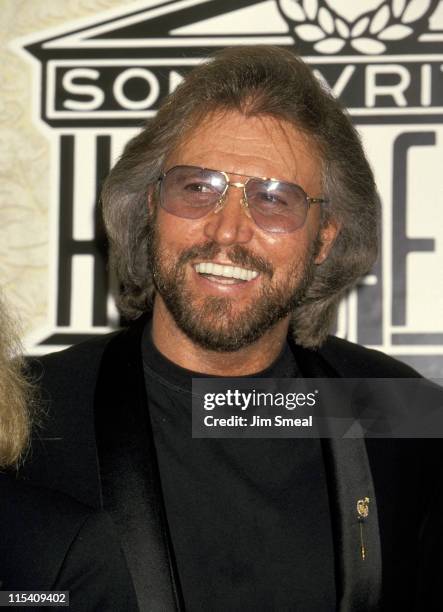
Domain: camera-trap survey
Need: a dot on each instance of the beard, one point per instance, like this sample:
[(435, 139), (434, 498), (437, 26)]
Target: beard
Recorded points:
[(213, 322)]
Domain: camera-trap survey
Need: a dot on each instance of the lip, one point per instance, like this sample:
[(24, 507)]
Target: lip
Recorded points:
[(225, 271), (218, 288), (220, 263)]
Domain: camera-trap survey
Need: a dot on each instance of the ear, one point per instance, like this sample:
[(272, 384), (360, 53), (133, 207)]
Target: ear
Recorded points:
[(327, 237)]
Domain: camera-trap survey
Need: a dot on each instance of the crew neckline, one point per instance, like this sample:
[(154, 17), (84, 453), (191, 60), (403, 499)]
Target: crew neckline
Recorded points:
[(180, 379)]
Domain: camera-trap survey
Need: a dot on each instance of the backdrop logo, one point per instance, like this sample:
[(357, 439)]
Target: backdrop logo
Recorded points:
[(383, 59), (367, 26)]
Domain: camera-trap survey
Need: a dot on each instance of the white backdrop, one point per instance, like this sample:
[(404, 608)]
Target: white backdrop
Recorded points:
[(79, 76)]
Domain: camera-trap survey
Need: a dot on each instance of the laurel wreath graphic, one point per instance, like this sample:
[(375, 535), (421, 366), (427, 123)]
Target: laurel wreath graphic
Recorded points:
[(313, 21)]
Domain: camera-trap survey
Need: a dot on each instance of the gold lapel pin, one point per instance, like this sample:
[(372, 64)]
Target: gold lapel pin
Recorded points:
[(362, 515)]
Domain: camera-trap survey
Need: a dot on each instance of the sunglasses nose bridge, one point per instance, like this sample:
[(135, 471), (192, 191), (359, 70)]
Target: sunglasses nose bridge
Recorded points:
[(222, 201)]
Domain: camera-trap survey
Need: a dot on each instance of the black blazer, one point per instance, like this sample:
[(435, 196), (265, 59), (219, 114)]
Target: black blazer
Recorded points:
[(97, 446), (49, 542)]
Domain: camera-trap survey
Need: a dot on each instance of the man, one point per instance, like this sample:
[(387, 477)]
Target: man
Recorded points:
[(227, 272), (47, 540)]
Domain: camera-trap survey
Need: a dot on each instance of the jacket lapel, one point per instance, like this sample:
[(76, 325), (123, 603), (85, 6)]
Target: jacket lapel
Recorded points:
[(353, 507), (130, 481)]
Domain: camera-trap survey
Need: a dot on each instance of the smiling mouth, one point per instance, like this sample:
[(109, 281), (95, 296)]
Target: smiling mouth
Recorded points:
[(224, 273)]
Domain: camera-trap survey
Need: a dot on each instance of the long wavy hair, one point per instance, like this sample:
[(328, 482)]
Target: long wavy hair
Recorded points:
[(15, 395), (254, 80)]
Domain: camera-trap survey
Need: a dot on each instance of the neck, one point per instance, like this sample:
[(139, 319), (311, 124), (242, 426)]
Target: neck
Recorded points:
[(176, 346)]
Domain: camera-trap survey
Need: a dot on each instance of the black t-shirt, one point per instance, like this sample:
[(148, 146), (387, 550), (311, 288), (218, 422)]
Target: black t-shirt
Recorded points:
[(249, 519)]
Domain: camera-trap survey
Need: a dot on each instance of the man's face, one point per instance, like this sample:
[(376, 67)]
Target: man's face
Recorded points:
[(221, 312)]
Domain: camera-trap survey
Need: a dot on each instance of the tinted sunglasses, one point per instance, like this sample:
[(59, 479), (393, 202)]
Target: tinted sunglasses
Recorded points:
[(275, 206)]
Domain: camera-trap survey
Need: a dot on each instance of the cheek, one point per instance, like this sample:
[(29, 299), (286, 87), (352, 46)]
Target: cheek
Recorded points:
[(176, 233), (288, 250), (293, 262)]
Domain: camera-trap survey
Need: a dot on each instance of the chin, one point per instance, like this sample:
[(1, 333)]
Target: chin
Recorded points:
[(214, 325)]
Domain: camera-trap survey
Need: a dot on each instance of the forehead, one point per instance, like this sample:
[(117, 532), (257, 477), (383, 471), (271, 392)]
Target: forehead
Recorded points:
[(254, 146)]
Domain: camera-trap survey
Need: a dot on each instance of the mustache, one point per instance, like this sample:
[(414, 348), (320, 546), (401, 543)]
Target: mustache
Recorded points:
[(238, 255)]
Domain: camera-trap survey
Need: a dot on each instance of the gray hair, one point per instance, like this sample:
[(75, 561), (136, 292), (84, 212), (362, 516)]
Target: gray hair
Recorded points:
[(15, 394), (255, 80)]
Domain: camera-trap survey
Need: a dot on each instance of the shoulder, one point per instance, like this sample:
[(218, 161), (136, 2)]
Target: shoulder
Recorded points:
[(353, 360), (79, 364), (66, 379), (80, 360), (48, 541)]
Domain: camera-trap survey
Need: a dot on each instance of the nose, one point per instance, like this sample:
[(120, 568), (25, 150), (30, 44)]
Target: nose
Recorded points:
[(230, 224)]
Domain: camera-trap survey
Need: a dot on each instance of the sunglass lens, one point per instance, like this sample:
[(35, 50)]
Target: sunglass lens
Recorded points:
[(276, 206), (190, 192)]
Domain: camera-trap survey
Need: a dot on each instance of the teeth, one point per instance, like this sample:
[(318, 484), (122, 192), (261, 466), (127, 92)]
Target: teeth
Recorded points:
[(226, 271)]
